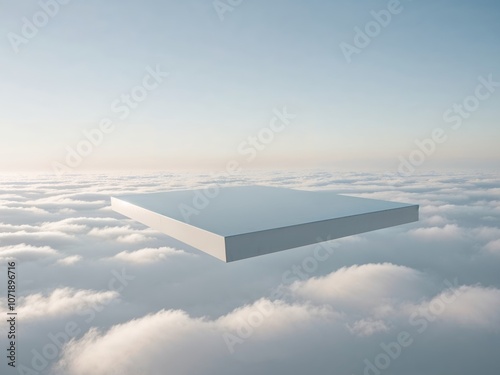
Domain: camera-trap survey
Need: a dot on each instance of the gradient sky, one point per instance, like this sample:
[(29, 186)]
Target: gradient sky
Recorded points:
[(226, 77)]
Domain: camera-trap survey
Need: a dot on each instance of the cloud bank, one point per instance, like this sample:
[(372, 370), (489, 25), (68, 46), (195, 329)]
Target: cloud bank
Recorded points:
[(141, 302)]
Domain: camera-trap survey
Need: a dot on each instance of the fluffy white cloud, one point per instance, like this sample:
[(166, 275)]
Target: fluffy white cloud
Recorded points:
[(448, 232), (147, 345), (124, 234), (171, 341), (435, 220), (148, 255), (12, 210), (493, 246), (371, 286), (37, 236), (476, 306), (274, 317), (25, 252), (68, 261), (486, 233), (60, 200), (465, 306), (61, 302), (134, 238)]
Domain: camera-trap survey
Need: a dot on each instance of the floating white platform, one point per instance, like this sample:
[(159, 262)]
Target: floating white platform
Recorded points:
[(233, 223)]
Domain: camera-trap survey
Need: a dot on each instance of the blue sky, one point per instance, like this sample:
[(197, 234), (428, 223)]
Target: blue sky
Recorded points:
[(226, 77)]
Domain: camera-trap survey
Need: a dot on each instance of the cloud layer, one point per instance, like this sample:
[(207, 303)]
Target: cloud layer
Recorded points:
[(141, 302)]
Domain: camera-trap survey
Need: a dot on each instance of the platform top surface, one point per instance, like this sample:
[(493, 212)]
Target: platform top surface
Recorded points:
[(229, 211)]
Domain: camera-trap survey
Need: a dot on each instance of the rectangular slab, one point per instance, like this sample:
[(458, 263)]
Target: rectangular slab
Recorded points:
[(233, 223)]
